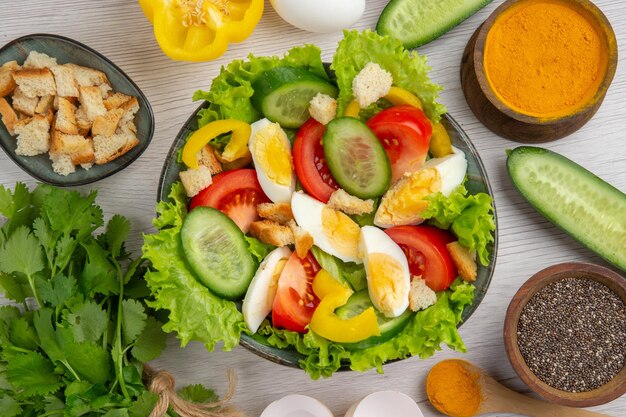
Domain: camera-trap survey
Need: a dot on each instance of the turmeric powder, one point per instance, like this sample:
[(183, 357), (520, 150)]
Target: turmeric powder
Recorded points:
[(453, 389), (545, 58)]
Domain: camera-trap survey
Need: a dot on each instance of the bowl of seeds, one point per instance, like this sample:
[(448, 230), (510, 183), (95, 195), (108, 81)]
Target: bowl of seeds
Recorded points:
[(565, 334)]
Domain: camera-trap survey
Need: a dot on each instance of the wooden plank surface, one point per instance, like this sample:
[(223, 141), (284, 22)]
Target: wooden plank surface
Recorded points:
[(528, 242)]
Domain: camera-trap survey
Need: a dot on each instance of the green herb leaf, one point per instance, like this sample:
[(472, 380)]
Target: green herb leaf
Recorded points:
[(32, 374), (88, 322), (21, 253), (15, 287), (98, 275), (151, 341), (88, 360), (8, 406), (118, 229), (23, 334), (117, 412), (16, 207), (133, 320), (58, 290), (42, 321), (197, 393), (144, 405), (69, 212)]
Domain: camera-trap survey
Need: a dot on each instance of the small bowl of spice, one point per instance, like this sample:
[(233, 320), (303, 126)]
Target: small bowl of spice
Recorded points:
[(538, 70), (565, 334)]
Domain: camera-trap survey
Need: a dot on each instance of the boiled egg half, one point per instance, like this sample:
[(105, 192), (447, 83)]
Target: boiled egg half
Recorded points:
[(271, 153), (260, 296), (332, 231), (320, 16), (452, 169), (387, 271)]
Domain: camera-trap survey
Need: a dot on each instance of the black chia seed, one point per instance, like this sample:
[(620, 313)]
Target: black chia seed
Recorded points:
[(572, 334)]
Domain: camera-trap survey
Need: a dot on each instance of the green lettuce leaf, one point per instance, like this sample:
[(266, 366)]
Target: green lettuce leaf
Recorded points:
[(470, 217), (258, 249), (409, 70), (347, 272), (194, 312)]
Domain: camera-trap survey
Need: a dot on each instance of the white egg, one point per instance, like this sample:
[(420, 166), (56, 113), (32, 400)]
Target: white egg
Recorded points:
[(385, 403), (297, 405), (332, 231), (452, 169), (387, 271), (271, 154), (260, 296), (320, 16)]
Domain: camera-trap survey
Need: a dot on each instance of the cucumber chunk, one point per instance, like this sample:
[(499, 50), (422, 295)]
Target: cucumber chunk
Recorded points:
[(282, 94), (389, 327), (417, 22), (583, 205), (217, 252), (356, 158)]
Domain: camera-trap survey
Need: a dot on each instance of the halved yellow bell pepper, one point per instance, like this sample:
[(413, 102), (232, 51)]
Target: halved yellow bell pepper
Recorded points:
[(324, 321), (395, 96), (200, 30), (440, 143), (236, 148)]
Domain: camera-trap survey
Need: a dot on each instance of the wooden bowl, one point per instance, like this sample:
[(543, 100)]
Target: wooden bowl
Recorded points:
[(498, 116), (607, 392)]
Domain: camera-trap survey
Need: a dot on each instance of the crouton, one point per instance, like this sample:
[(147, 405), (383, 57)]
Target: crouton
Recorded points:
[(44, 105), (23, 104), (84, 124), (66, 117), (323, 108), (106, 125), (35, 82), (62, 164), (7, 83), (349, 204), (65, 81), (128, 128), (420, 295), (91, 102), (371, 84), (272, 233), (55, 102), (105, 89), (207, 157), (87, 167), (79, 148), (88, 77), (113, 101), (33, 136), (131, 107), (303, 240), (464, 259), (278, 212), (38, 60), (108, 148), (9, 117), (85, 154), (196, 180)]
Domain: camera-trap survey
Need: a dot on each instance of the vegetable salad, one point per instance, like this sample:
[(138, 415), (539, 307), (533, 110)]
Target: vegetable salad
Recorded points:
[(347, 236)]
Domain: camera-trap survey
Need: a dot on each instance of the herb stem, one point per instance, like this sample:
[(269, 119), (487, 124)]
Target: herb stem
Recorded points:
[(31, 282), (119, 354), (69, 368)]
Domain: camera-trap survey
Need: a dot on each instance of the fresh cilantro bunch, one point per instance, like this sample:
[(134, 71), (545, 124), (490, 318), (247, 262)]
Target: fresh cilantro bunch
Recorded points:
[(76, 343)]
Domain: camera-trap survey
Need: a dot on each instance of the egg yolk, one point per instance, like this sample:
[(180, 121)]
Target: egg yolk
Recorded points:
[(341, 231), (272, 154), (404, 202), (386, 282), (273, 287)]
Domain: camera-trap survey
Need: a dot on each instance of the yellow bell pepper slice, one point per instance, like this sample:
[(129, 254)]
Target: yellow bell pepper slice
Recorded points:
[(325, 323), (200, 30), (352, 110), (236, 148), (398, 96), (440, 143)]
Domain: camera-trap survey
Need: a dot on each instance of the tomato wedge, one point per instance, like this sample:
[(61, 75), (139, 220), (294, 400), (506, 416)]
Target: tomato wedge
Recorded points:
[(295, 300), (235, 193), (405, 133), (425, 249), (309, 161)]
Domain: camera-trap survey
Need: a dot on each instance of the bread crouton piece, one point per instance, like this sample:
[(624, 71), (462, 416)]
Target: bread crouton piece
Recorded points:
[(79, 148), (88, 77), (106, 125), (7, 83), (131, 107), (105, 89), (33, 136), (371, 84), (196, 180), (277, 212), (24, 104), (108, 148), (65, 80), (303, 240), (206, 157), (62, 164), (115, 100), (35, 82), (464, 260), (349, 204), (44, 106), (323, 108), (9, 117), (84, 124), (38, 60), (55, 102), (420, 295), (272, 233), (91, 102), (66, 117)]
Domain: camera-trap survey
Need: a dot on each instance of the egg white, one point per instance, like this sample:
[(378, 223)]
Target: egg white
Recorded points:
[(452, 169), (321, 16)]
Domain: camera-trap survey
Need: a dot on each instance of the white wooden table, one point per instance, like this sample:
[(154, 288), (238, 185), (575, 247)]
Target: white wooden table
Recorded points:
[(528, 243)]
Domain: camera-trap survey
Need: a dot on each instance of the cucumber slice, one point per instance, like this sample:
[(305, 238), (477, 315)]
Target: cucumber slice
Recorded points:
[(282, 94), (217, 252), (389, 327), (583, 205), (417, 22), (356, 158)]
